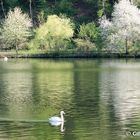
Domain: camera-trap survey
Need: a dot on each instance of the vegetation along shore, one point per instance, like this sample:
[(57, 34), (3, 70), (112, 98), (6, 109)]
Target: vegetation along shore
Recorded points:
[(70, 29)]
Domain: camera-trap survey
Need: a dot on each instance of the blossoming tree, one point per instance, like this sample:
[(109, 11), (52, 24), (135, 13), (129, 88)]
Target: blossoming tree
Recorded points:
[(16, 28), (124, 27)]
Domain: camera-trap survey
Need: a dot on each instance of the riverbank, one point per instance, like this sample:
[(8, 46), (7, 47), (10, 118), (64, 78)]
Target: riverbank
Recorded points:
[(62, 54)]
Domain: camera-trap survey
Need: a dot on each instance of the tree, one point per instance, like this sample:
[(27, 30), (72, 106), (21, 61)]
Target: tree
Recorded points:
[(30, 7), (124, 26), (16, 28), (54, 33), (2, 7)]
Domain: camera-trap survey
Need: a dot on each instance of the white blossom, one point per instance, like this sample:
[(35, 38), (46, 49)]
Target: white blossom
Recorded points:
[(125, 24), (16, 28)]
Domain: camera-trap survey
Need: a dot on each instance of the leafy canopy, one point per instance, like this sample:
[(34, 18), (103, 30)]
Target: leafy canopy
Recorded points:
[(52, 33)]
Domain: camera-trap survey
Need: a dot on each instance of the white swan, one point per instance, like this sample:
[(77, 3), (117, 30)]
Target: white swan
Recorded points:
[(5, 58), (56, 121)]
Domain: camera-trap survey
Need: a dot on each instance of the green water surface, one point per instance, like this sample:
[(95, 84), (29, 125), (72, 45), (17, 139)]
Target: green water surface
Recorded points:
[(101, 99)]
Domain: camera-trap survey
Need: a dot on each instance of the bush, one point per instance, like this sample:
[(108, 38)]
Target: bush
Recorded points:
[(55, 34), (84, 45), (89, 32), (16, 29)]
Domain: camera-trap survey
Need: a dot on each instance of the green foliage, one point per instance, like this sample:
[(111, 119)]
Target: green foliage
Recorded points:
[(75, 8), (16, 29), (105, 7), (84, 45), (134, 47), (108, 10), (66, 7), (137, 2), (12, 3), (89, 32), (55, 34), (100, 13)]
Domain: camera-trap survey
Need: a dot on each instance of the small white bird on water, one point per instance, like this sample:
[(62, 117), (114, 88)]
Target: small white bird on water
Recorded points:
[(56, 121), (5, 58)]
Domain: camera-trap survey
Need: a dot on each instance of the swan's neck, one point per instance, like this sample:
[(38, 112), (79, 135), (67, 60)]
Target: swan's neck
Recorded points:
[(62, 117)]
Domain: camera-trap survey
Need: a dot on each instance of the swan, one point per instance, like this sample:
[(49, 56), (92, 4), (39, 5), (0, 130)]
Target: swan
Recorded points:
[(5, 58), (56, 121)]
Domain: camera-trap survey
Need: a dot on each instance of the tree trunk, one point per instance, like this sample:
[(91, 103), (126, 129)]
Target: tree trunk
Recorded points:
[(126, 45), (103, 5), (2, 7), (131, 1), (30, 7), (16, 49)]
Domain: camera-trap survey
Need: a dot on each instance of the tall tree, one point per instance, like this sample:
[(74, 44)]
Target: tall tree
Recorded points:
[(124, 27), (103, 4), (2, 7), (30, 7)]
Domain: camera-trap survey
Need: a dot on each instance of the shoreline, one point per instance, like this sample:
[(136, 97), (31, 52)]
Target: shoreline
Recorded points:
[(68, 55)]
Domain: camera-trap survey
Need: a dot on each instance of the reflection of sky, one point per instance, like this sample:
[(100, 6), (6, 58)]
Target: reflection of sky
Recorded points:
[(120, 86)]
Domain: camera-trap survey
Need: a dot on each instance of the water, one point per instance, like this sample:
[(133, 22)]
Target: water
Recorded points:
[(101, 99)]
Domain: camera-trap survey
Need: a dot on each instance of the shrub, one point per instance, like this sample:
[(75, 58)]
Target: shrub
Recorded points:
[(91, 34), (88, 31), (84, 45)]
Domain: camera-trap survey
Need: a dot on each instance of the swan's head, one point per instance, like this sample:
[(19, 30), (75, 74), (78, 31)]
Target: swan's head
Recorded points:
[(62, 112)]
